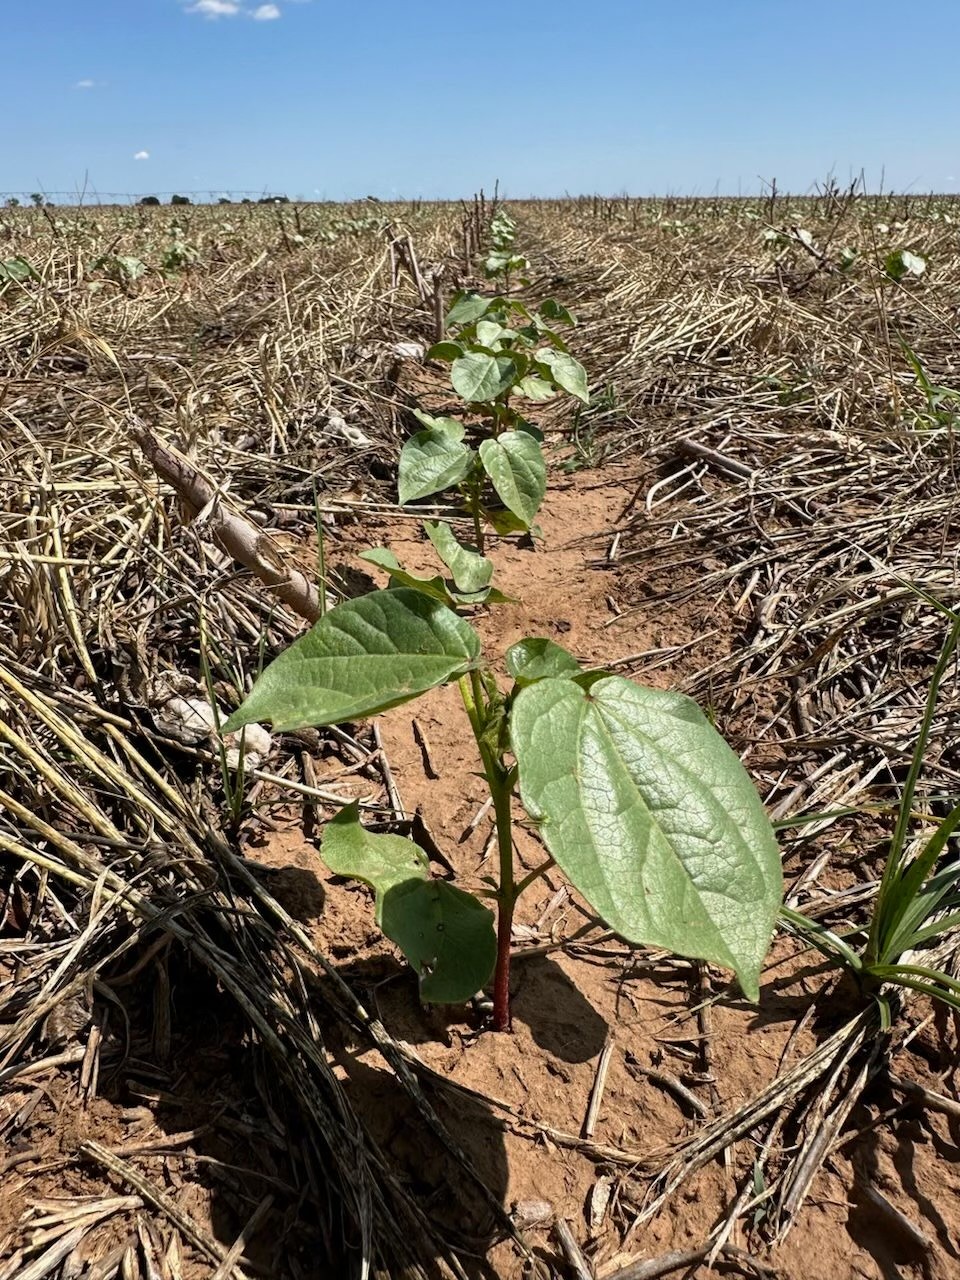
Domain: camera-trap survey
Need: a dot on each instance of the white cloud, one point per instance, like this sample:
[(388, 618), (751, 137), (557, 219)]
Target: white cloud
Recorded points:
[(142, 155), (85, 84), (215, 8), (266, 13)]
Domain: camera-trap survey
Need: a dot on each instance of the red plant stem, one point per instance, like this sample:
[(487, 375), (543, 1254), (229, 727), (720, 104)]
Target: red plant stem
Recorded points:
[(501, 977), (500, 781)]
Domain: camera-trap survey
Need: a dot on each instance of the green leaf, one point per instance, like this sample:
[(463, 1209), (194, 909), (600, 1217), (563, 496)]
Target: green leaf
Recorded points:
[(478, 376), (382, 862), (504, 522), (490, 595), (515, 465), (434, 587), (902, 263), (17, 269), (490, 333), (550, 309), (536, 659), (504, 305), (543, 331), (566, 372), (471, 571), (496, 262), (362, 657), (433, 460), (447, 935), (534, 388), (444, 351), (452, 427), (468, 307), (652, 817), (531, 428), (130, 268)]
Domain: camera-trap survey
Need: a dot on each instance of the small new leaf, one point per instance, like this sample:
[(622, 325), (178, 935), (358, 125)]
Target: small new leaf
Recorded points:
[(380, 861), (452, 427), (534, 388), (434, 587), (470, 571), (554, 311), (902, 263), (538, 659), (17, 269), (445, 351), (468, 307)]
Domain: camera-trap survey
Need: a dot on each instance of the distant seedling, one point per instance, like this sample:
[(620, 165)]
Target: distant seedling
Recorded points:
[(502, 353)]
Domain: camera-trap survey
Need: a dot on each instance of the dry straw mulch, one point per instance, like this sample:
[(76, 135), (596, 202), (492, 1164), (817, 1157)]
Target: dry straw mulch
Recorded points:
[(790, 468)]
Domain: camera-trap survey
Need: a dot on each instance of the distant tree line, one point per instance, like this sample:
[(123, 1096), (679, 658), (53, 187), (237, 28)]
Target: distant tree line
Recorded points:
[(154, 200), (37, 199)]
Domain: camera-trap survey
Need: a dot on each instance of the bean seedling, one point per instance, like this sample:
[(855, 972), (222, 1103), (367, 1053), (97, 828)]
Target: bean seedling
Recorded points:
[(494, 361), (634, 794)]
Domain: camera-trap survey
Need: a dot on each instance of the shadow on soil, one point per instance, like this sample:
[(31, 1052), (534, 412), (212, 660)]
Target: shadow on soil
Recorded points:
[(182, 1060)]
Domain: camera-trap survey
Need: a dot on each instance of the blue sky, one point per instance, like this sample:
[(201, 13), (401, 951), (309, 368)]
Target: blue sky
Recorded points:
[(404, 97)]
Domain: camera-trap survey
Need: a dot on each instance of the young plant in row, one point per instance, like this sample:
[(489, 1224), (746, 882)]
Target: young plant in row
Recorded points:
[(502, 258), (501, 352), (632, 792)]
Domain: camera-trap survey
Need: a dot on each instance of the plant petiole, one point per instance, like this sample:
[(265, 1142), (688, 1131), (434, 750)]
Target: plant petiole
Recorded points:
[(535, 874)]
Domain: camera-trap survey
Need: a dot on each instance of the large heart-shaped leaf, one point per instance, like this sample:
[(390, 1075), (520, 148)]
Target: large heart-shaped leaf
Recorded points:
[(468, 307), (566, 372), (447, 935), (652, 817), (362, 657), (381, 861), (433, 460), (515, 465), (470, 570), (479, 376)]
